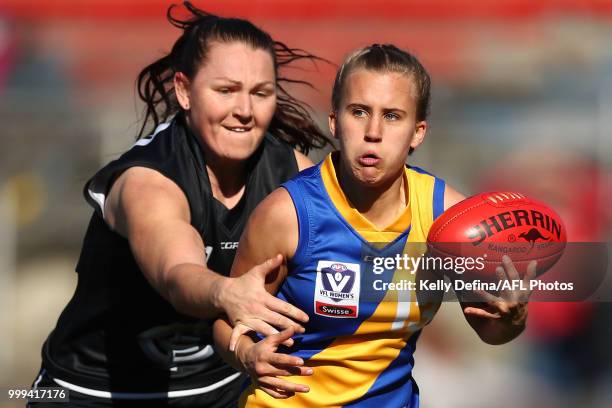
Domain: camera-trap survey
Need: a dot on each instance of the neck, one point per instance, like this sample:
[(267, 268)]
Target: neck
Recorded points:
[(380, 204), (227, 179)]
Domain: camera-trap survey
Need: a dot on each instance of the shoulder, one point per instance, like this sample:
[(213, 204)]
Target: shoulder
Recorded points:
[(276, 210), (451, 197), (140, 190), (274, 222), (153, 151)]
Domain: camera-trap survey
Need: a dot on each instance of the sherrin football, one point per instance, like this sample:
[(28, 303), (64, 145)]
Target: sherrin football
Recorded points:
[(487, 226)]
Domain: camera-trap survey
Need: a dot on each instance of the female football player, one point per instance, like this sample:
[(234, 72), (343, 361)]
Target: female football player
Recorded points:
[(328, 223), (168, 216)]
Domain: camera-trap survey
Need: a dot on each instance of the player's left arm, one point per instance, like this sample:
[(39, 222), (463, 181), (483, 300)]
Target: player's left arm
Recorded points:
[(497, 319)]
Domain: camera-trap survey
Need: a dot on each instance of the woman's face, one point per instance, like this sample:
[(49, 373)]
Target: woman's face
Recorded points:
[(376, 125), (230, 100)]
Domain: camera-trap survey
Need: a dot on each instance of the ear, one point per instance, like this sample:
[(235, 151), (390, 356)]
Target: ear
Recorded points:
[(332, 123), (419, 134), (181, 88)]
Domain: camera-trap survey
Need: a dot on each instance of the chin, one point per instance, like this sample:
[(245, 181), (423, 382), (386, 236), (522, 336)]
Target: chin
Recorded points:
[(237, 156), (369, 176), (240, 151)]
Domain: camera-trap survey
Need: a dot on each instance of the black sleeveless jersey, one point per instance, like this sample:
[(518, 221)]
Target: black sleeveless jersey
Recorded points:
[(117, 333)]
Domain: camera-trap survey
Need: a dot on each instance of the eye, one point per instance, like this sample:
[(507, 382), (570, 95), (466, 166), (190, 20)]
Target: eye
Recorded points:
[(359, 113), (391, 116), (263, 93), (224, 91)]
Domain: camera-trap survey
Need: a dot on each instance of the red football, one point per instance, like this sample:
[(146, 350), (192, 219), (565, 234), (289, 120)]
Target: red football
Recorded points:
[(487, 226)]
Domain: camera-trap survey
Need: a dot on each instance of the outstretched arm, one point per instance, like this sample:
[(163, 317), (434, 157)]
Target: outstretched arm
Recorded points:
[(272, 230), (152, 212)]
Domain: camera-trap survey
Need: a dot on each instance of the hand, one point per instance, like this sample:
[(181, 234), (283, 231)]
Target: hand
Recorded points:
[(249, 306), (264, 365), (511, 305)]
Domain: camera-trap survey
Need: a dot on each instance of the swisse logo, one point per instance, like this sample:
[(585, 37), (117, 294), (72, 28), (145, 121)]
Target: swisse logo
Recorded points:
[(512, 219), (229, 245), (337, 289), (335, 310)]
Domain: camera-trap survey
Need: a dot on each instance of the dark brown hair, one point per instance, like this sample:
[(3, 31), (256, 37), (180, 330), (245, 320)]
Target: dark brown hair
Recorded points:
[(291, 121)]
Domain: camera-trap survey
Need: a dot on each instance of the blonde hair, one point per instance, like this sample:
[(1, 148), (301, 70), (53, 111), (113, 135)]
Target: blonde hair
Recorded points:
[(386, 58)]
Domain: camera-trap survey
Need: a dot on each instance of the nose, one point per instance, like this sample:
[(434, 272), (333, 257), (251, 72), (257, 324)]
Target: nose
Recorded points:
[(373, 132), (243, 109)]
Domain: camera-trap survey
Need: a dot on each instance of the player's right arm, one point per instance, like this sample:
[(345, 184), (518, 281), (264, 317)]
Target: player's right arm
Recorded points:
[(496, 320), (152, 212)]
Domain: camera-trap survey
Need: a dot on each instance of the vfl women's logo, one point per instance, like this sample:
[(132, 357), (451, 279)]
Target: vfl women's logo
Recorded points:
[(337, 289), (338, 281)]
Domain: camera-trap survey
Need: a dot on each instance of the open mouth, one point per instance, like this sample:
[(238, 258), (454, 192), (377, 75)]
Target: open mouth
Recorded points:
[(369, 159), (238, 129)]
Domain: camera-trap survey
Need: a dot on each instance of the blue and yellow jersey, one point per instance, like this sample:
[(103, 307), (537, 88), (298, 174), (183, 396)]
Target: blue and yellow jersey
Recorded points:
[(360, 338)]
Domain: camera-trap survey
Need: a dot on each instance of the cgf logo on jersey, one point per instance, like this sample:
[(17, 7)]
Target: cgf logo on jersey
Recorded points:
[(229, 245), (337, 289)]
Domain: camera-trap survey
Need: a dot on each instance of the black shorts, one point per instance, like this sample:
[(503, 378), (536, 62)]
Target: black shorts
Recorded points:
[(223, 397)]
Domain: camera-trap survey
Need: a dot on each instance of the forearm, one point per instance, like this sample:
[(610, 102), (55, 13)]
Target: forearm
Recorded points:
[(195, 290), (221, 333)]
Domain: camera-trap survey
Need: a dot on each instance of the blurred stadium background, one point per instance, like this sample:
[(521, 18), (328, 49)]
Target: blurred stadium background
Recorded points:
[(522, 98)]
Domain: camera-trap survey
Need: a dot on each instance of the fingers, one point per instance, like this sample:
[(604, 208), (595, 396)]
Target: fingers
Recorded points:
[(281, 337), (278, 359), (530, 275), (475, 311), (263, 319), (510, 269), (502, 277), (502, 306), (286, 309), (267, 366), (286, 365), (257, 326), (237, 331), (268, 266), (287, 371), (486, 296), (280, 321), (288, 343), (509, 273), (274, 393), (282, 386), (531, 272)]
